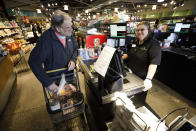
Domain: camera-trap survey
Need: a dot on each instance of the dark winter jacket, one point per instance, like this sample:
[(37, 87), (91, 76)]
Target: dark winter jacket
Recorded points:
[(50, 54)]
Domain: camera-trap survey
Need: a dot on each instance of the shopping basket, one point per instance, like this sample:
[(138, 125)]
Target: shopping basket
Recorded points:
[(62, 109)]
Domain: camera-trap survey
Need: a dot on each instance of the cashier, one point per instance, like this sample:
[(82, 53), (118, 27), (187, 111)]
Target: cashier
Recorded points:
[(56, 49), (144, 56)]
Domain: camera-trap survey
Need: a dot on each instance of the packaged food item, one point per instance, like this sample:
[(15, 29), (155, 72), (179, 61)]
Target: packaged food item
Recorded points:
[(54, 104)]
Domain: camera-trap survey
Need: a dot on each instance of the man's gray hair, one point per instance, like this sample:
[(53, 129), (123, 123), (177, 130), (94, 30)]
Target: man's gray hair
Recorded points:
[(59, 17)]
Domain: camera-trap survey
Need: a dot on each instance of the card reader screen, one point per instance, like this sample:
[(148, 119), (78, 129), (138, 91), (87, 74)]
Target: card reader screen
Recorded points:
[(187, 127)]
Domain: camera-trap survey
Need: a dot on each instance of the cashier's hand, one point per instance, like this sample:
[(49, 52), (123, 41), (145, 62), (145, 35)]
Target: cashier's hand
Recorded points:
[(147, 84), (71, 65), (52, 88)]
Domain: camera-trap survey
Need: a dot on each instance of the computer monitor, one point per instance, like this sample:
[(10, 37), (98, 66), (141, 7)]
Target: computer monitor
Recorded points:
[(178, 27), (111, 42), (118, 30)]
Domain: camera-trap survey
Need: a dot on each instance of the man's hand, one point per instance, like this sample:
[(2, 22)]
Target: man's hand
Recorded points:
[(147, 84), (71, 65), (52, 88)]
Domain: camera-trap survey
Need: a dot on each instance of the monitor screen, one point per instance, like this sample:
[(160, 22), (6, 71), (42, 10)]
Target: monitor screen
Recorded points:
[(178, 27), (118, 30), (187, 26), (111, 42), (122, 42)]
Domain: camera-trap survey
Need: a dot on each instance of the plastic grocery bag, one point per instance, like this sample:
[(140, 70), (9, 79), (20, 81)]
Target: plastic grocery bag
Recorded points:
[(61, 84)]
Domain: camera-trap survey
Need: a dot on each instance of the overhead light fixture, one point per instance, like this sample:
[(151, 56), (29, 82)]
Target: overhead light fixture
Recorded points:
[(65, 7), (172, 2), (94, 16), (56, 4), (42, 6), (48, 5), (138, 6), (182, 4), (39, 11), (78, 15), (115, 9), (160, 0), (145, 5), (154, 7), (165, 4), (86, 11)]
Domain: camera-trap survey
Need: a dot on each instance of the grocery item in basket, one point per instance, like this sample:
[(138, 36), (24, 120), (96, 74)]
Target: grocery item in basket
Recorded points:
[(65, 92), (61, 84), (54, 104), (69, 105), (71, 87)]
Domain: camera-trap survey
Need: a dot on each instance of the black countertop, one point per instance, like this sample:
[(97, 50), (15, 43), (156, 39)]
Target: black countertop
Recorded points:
[(189, 54)]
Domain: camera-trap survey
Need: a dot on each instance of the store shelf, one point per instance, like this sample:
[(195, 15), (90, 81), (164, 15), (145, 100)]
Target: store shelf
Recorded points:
[(10, 27)]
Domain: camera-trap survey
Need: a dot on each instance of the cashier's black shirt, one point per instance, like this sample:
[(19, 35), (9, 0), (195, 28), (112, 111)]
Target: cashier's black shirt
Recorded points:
[(141, 56)]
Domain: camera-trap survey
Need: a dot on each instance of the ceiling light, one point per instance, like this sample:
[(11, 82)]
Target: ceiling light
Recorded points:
[(65, 7), (138, 5), (165, 4), (154, 7), (52, 4), (42, 6), (78, 15), (171, 2), (86, 11), (160, 0), (94, 16), (39, 11), (174, 7), (115, 9), (48, 5), (182, 4), (145, 5), (56, 4)]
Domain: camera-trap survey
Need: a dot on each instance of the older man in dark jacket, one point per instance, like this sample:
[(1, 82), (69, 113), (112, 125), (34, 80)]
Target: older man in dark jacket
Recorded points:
[(56, 49)]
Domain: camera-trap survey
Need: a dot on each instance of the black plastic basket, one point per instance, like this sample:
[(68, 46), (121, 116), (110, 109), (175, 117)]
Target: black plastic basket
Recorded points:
[(69, 111)]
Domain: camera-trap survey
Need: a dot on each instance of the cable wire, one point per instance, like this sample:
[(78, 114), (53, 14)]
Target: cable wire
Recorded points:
[(163, 118)]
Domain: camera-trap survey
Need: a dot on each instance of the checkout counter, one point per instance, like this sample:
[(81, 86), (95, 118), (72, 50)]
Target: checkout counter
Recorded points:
[(117, 111), (7, 80), (100, 98)]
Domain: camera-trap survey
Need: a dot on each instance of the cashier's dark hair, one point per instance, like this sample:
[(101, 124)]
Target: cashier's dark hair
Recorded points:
[(147, 24), (58, 18)]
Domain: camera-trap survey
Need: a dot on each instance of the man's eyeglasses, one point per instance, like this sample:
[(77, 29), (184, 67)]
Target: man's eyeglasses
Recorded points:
[(137, 30)]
